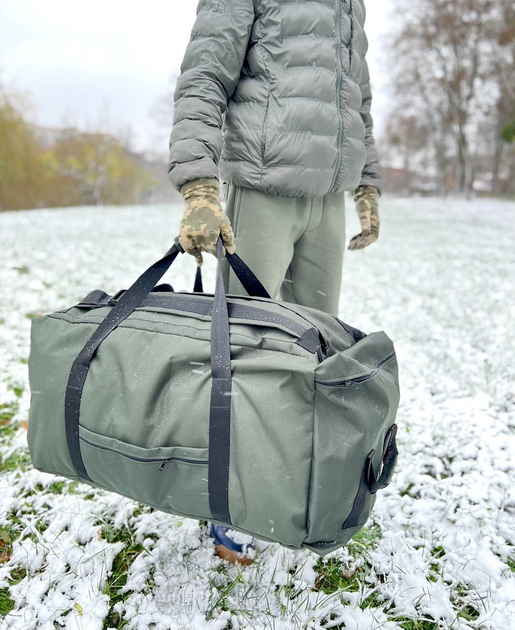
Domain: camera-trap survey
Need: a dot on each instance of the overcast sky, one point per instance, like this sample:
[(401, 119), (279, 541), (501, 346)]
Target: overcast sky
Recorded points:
[(82, 61)]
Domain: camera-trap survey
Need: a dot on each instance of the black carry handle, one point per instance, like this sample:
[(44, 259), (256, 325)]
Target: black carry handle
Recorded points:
[(248, 279), (369, 483), (220, 407), (389, 461)]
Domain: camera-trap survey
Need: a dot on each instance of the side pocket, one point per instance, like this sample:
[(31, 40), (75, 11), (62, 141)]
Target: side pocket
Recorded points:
[(173, 478), (356, 401), (265, 119), (263, 132)]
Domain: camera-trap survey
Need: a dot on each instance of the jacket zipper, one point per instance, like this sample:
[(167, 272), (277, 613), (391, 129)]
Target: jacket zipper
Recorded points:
[(351, 42), (338, 5), (143, 459), (357, 379)]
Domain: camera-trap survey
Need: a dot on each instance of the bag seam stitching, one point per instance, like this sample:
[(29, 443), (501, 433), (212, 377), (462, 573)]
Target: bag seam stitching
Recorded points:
[(123, 325)]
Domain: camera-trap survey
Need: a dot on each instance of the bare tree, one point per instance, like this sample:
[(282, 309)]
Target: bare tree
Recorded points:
[(162, 110), (441, 59), (502, 71), (162, 114), (406, 145)]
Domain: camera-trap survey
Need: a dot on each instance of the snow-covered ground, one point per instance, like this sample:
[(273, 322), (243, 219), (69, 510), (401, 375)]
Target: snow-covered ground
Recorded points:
[(439, 550)]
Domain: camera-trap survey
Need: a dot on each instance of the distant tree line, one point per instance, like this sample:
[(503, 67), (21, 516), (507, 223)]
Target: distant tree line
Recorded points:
[(452, 69), (75, 168)]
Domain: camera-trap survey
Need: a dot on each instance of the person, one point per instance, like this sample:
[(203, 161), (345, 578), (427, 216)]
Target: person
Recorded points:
[(273, 100)]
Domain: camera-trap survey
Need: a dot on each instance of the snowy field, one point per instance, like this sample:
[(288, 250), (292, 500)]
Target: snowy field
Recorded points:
[(439, 550)]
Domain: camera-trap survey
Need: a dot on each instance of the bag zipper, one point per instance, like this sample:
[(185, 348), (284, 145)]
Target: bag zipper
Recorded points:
[(321, 351), (357, 379), (143, 459)]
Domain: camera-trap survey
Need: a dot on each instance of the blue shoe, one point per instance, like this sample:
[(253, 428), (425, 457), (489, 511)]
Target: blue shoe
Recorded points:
[(233, 546)]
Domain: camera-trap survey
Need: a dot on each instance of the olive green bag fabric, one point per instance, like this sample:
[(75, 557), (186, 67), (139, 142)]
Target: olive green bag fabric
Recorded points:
[(270, 417)]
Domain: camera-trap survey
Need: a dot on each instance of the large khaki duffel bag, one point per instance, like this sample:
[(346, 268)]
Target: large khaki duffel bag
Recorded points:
[(273, 418)]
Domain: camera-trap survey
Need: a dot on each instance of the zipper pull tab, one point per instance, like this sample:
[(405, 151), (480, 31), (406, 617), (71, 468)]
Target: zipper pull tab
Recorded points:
[(162, 465)]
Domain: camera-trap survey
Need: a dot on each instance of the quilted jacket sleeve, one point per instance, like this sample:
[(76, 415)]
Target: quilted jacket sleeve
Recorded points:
[(372, 173), (210, 71)]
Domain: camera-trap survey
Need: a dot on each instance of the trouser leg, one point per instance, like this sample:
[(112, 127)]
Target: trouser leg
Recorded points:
[(293, 245), (265, 228), (314, 277)]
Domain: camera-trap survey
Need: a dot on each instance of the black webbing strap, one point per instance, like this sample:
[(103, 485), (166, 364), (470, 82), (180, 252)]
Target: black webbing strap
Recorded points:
[(390, 454), (220, 414), (197, 287), (368, 483), (127, 303), (248, 279), (359, 501), (220, 410), (95, 298)]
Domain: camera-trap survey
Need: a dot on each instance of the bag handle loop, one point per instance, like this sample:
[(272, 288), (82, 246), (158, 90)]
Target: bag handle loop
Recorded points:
[(219, 423), (370, 483), (245, 275)]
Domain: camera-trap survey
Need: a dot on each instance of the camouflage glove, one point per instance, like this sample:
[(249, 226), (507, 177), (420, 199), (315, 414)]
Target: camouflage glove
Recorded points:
[(366, 206), (204, 219)]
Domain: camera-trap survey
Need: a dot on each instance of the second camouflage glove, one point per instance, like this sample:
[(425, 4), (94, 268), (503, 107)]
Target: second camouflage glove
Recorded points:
[(204, 219), (366, 198)]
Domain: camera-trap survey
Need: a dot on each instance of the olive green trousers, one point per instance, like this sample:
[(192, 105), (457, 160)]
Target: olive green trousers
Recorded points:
[(294, 246)]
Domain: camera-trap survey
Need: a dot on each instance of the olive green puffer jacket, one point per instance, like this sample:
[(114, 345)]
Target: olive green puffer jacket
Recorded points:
[(275, 95)]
